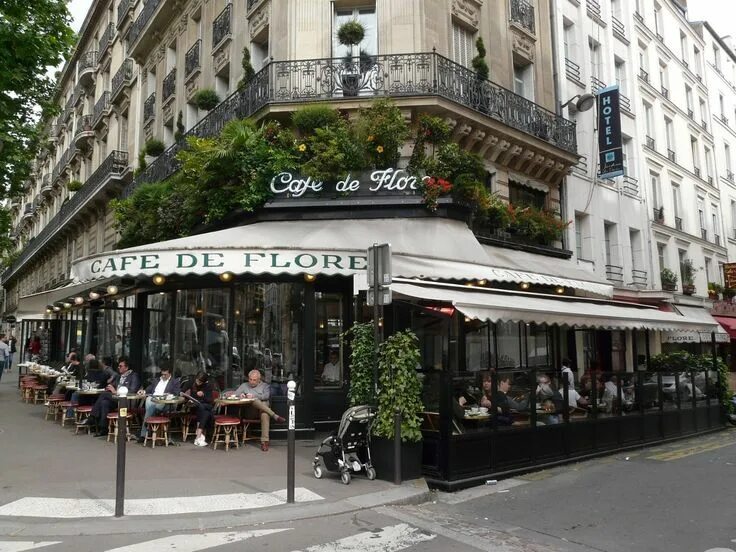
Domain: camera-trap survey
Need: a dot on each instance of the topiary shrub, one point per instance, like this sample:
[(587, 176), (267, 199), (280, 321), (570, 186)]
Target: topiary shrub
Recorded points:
[(180, 128), (248, 71), (74, 185), (479, 62), (154, 147), (350, 33), (311, 117), (206, 99)]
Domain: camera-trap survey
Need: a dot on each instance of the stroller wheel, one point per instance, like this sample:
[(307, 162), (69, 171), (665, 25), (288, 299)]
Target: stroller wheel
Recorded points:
[(318, 473), (370, 473), (345, 477)]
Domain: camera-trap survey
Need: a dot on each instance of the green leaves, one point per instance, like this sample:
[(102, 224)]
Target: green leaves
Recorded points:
[(361, 363)]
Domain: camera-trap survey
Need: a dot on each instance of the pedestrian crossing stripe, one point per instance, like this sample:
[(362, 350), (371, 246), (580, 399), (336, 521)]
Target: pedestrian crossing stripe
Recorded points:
[(389, 539), (194, 543), (22, 546)]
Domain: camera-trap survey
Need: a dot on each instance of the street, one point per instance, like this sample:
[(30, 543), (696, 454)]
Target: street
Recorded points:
[(665, 498)]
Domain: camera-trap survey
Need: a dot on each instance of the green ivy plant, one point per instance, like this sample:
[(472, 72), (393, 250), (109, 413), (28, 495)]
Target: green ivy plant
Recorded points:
[(399, 387), (383, 131), (361, 363)]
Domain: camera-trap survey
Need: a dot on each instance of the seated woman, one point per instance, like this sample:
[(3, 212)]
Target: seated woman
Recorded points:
[(201, 391)]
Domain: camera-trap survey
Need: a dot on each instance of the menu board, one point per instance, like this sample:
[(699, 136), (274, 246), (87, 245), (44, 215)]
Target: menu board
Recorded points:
[(729, 275)]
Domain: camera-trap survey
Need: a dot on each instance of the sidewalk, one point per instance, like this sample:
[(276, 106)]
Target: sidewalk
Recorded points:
[(40, 459)]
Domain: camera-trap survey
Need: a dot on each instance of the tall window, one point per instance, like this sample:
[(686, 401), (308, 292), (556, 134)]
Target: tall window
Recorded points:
[(727, 154), (669, 134), (717, 57), (462, 45), (708, 269), (609, 229), (683, 46), (595, 58), (582, 238), (568, 32), (703, 110), (658, 21), (620, 71), (697, 61), (733, 218), (648, 120), (656, 191), (369, 44), (662, 256), (708, 162), (715, 219), (524, 80), (695, 153), (635, 244), (701, 213), (721, 105), (676, 201)]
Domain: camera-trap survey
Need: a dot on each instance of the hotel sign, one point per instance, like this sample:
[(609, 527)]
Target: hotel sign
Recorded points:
[(609, 133)]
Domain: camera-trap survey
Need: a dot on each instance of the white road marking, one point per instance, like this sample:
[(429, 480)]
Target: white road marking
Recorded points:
[(389, 539), (20, 546), (44, 507), (193, 543)]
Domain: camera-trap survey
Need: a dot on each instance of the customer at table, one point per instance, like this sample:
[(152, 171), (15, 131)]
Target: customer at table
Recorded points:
[(105, 402), (255, 389), (201, 391), (95, 376), (165, 385), (505, 404)]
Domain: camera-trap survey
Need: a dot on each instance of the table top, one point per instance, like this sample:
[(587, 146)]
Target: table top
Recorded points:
[(477, 417), (236, 402), (175, 400), (131, 396), (90, 391)]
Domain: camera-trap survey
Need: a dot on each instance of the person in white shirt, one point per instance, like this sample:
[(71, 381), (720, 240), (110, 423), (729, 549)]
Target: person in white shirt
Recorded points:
[(570, 374), (331, 371), (575, 400), (166, 385), (4, 353)]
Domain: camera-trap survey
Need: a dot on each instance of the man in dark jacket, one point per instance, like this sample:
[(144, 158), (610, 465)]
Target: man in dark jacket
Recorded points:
[(106, 401), (165, 385)]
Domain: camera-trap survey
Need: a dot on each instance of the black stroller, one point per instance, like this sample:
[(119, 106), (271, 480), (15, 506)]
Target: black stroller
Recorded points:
[(348, 451)]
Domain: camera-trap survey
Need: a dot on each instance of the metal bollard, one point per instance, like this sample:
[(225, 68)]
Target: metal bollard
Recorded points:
[(291, 443), (397, 447), (120, 470)]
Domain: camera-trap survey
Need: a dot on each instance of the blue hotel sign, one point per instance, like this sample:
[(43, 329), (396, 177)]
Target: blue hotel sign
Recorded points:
[(609, 133)]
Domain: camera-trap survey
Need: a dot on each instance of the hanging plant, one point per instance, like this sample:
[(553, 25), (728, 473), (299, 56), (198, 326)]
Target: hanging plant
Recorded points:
[(74, 185), (350, 33), (362, 358), (382, 131), (206, 99)]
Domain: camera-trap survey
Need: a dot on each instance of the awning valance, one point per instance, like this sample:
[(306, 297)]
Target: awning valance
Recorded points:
[(729, 324), (426, 248), (704, 336), (485, 305), (35, 304)]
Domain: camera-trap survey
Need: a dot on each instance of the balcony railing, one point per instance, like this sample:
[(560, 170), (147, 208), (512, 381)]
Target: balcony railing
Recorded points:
[(88, 60), (399, 75), (710, 180), (639, 277), (594, 8), (84, 124), (724, 119), (141, 22), (615, 273), (630, 185), (704, 233), (717, 239), (122, 77), (625, 102), (149, 108), (572, 69), (102, 105), (704, 124), (28, 210), (221, 26), (678, 223), (106, 38), (690, 113), (696, 170), (114, 165), (658, 213), (596, 84), (665, 92), (252, 4), (650, 142), (123, 8), (618, 27), (643, 75), (729, 176), (670, 155), (522, 13), (191, 59), (169, 86)]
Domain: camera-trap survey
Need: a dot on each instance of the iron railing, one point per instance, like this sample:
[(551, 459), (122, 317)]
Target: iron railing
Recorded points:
[(46, 183), (106, 38), (729, 176), (88, 60), (522, 12), (717, 239), (252, 4), (678, 223), (123, 8), (658, 214), (221, 27), (630, 185), (644, 75), (141, 22), (572, 69), (618, 27), (690, 113), (149, 108), (596, 84), (704, 124), (28, 210), (114, 165), (639, 277), (169, 86), (710, 180), (650, 142), (594, 8), (665, 92), (191, 59), (614, 273), (671, 155), (696, 170), (84, 124), (122, 77), (67, 156), (102, 105), (396, 75), (625, 102), (704, 233), (724, 119)]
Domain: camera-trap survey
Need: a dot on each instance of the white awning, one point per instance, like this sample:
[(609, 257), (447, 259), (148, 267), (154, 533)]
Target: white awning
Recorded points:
[(34, 305), (426, 248), (705, 336), (532, 308)]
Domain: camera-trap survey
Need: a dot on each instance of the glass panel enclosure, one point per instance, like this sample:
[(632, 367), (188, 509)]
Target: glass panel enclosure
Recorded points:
[(328, 351), (112, 335), (157, 337)]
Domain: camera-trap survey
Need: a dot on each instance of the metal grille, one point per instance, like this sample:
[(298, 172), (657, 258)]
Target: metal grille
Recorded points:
[(123, 76), (141, 22), (522, 12), (106, 38), (221, 26), (86, 61), (101, 106), (149, 108), (169, 86), (191, 59)]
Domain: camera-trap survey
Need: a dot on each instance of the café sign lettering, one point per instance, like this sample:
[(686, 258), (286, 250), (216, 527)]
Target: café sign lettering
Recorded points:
[(383, 181)]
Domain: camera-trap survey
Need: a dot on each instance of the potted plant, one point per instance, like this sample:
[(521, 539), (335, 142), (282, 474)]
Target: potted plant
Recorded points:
[(206, 99), (399, 390), (154, 147), (688, 277), (659, 215), (669, 279), (728, 293), (714, 290), (350, 34), (74, 185)]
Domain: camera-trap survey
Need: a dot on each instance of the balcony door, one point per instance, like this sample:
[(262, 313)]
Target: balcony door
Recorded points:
[(356, 70)]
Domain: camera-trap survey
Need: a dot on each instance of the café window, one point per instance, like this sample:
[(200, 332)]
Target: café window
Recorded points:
[(329, 365), (157, 341), (525, 195), (113, 329)]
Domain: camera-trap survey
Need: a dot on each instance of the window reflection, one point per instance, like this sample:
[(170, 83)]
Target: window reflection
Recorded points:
[(329, 366)]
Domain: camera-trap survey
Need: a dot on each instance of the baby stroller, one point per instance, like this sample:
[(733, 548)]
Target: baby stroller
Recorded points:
[(348, 451)]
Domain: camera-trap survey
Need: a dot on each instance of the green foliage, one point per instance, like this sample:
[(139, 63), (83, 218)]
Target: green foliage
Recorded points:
[(331, 152), (537, 225), (688, 272), (350, 33), (8, 253), (154, 147), (399, 387), (361, 363), (382, 130), (9, 257), (715, 287), (180, 128), (137, 216), (35, 36), (668, 277), (479, 62), (74, 185), (206, 99), (311, 117), (248, 71), (141, 162)]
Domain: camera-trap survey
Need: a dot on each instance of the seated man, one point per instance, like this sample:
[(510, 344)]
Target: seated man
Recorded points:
[(261, 392), (165, 385), (105, 402), (331, 371), (505, 404)]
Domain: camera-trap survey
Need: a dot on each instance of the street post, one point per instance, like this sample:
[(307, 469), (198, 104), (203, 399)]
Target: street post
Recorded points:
[(122, 439), (291, 442)]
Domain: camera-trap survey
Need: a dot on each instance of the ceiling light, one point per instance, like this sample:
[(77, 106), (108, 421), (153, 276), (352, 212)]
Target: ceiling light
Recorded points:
[(67, 305), (57, 308), (525, 285), (310, 277), (227, 276), (159, 279), (560, 290), (93, 295), (78, 300), (112, 290)]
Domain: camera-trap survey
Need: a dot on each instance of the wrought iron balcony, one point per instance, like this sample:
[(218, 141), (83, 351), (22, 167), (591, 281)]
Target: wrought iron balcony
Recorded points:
[(192, 58), (46, 186), (630, 185), (639, 277), (572, 69), (594, 8), (101, 108), (729, 176), (690, 113), (252, 4), (123, 9), (658, 213), (113, 167), (615, 273), (650, 142), (123, 77), (665, 92), (141, 22), (710, 180), (644, 75), (67, 156), (522, 13), (169, 86), (724, 119), (670, 155), (678, 223), (704, 124), (696, 170), (149, 108), (106, 39), (221, 26), (717, 239), (704, 233), (596, 84), (87, 65), (618, 27), (53, 133), (397, 75), (83, 126), (28, 210), (625, 102)]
